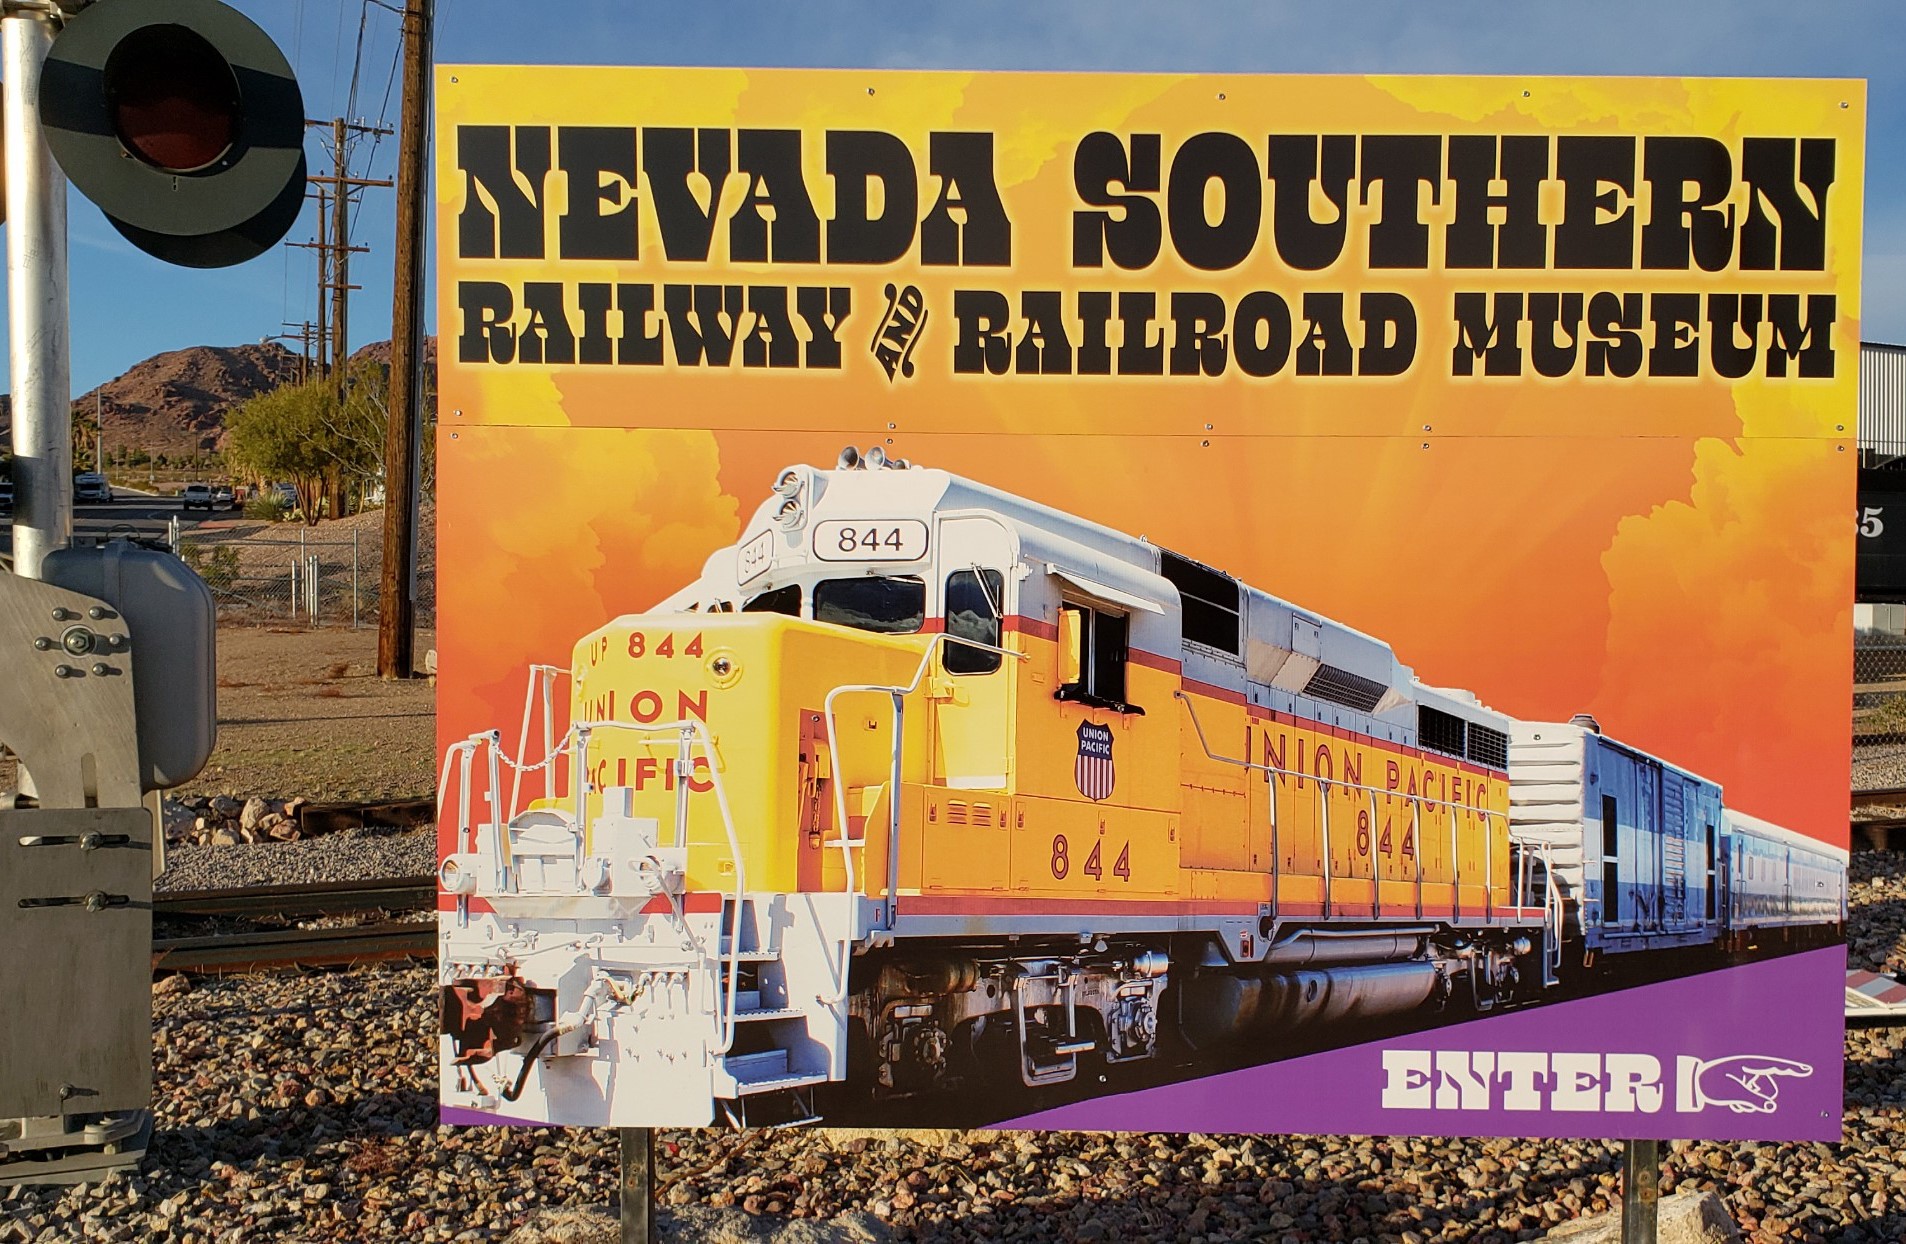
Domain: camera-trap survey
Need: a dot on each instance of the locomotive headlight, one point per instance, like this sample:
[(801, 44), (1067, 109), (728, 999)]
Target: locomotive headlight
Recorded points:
[(790, 515), (458, 874), (724, 668), (788, 483)]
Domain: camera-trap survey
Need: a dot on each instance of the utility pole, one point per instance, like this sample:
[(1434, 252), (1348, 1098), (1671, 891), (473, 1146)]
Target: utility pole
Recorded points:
[(320, 357), (340, 253), (334, 259), (303, 336), (324, 282), (334, 193), (397, 589), (334, 245)]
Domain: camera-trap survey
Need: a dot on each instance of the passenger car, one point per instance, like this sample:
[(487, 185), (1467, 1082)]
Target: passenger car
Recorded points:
[(196, 496), (222, 498), (91, 486)]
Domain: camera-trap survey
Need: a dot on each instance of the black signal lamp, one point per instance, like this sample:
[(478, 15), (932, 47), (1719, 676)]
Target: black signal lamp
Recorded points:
[(182, 121), (174, 99)]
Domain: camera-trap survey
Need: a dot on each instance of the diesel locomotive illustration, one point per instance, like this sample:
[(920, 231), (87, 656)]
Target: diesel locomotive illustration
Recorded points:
[(923, 787)]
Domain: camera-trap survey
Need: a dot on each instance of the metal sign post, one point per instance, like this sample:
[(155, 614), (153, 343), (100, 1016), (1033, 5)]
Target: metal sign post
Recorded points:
[(36, 297), (638, 1185), (1640, 1190)]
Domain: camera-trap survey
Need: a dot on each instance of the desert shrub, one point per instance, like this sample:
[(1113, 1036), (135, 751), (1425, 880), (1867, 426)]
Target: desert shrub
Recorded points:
[(217, 564)]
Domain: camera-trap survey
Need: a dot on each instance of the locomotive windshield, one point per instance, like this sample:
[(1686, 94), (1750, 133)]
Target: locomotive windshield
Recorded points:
[(895, 606), (780, 600)]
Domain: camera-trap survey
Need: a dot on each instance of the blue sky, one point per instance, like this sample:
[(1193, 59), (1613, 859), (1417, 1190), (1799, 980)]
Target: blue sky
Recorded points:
[(127, 306)]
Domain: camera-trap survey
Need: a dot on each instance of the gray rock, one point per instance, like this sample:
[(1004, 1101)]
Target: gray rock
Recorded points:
[(703, 1226), (1684, 1218)]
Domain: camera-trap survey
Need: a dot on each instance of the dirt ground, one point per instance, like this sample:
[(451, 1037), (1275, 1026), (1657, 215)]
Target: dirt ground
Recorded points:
[(303, 712)]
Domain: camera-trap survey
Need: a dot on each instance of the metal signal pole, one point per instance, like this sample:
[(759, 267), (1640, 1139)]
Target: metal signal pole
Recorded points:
[(637, 1185), (37, 333), (397, 588), (1640, 1190)]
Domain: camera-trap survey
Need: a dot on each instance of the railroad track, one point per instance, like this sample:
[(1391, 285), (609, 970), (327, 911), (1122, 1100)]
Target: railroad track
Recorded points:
[(287, 948), (324, 898), (254, 949), (1880, 797)]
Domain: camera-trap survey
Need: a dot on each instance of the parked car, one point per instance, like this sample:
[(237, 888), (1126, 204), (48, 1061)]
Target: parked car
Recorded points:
[(222, 498), (287, 493), (91, 486), (196, 496)]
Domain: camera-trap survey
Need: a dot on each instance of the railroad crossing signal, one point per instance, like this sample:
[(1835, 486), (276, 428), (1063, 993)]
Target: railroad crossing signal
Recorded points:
[(183, 122)]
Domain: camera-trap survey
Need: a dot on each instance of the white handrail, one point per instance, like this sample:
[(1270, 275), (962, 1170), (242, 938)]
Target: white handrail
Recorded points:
[(686, 728), (846, 842), (1324, 781), (541, 677), (1417, 802), (897, 694), (462, 755)]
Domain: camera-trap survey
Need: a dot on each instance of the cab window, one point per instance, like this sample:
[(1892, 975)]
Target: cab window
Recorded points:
[(780, 600), (1092, 655), (972, 612), (896, 606)]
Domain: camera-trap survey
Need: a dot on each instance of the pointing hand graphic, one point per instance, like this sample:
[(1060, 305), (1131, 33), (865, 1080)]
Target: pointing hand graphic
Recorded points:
[(1746, 1083)]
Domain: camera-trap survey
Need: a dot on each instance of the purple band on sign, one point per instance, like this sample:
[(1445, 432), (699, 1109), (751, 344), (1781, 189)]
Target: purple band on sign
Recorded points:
[(1745, 1053)]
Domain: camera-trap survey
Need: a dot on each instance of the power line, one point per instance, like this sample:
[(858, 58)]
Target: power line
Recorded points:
[(357, 60), (379, 133), (337, 55)]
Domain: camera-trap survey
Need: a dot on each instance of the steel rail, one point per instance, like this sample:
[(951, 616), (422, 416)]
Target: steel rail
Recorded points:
[(322, 898), (288, 948), (1880, 797)]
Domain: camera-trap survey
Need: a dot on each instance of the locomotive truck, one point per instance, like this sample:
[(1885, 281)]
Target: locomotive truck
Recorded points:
[(922, 786)]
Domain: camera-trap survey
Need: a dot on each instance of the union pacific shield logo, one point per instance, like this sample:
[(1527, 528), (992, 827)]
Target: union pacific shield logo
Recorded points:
[(1093, 772)]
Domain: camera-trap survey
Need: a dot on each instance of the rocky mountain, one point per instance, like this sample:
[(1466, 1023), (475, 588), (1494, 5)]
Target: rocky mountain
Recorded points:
[(175, 403)]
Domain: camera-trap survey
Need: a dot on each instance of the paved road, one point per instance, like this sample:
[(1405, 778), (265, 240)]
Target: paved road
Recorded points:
[(143, 516)]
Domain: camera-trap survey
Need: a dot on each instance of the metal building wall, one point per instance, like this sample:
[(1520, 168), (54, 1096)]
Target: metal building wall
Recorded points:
[(1882, 411)]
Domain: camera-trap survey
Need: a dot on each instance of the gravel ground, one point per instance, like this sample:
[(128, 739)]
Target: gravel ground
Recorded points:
[(1879, 766), (302, 711), (349, 855), (303, 1108)]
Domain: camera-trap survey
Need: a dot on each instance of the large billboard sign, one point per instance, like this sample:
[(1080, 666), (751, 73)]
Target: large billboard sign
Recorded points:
[(1146, 602)]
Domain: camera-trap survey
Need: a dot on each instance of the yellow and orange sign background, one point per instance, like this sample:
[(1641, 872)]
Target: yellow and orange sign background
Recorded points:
[(1675, 556)]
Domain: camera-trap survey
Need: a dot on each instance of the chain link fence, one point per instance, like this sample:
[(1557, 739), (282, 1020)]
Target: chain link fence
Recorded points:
[(326, 576), (1879, 686)]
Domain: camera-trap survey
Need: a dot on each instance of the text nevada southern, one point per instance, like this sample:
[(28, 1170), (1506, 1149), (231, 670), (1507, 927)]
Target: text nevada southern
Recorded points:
[(758, 275)]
